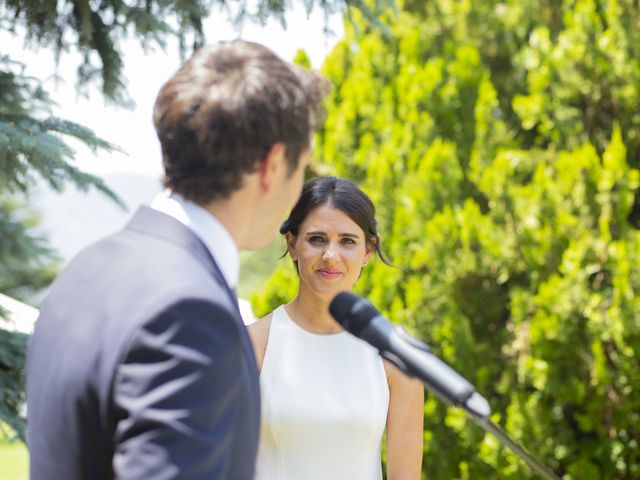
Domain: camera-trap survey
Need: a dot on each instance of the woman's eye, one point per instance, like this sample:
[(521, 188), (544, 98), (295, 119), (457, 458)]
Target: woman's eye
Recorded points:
[(316, 239), (348, 241)]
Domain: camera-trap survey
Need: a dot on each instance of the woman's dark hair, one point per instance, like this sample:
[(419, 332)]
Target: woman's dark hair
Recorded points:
[(342, 195)]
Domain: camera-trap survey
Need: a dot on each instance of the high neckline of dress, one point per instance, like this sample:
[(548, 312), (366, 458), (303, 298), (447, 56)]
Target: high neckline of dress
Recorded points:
[(299, 327)]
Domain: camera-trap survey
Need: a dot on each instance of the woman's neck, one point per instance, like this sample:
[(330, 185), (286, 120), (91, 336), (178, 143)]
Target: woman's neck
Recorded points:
[(311, 312)]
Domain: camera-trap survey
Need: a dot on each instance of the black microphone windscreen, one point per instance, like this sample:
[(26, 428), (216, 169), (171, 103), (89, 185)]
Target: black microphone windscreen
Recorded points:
[(352, 312)]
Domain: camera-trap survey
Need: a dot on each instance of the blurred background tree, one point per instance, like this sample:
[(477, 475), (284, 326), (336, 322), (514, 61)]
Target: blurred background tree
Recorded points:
[(35, 145), (500, 142)]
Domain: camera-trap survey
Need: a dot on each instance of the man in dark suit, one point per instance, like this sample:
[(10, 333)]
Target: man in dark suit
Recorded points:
[(140, 366)]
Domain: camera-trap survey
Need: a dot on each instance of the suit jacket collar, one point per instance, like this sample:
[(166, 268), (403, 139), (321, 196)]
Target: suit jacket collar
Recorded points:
[(162, 226), (207, 227)]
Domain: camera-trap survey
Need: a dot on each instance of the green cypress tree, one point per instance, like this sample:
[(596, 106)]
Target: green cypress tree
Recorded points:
[(499, 141)]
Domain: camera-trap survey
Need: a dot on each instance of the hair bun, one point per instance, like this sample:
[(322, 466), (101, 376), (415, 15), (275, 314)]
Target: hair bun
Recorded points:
[(284, 228)]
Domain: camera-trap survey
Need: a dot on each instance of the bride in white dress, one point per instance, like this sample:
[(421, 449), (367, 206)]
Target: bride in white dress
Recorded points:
[(327, 397)]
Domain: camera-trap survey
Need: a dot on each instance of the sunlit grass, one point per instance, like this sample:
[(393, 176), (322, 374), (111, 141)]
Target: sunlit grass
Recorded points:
[(14, 461)]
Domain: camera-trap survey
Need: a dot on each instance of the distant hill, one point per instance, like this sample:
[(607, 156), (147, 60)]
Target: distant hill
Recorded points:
[(71, 220)]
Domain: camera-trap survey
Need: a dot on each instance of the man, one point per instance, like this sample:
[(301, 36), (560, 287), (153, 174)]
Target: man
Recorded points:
[(140, 366)]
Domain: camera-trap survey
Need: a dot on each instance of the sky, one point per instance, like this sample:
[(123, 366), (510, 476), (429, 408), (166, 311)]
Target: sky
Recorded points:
[(132, 129)]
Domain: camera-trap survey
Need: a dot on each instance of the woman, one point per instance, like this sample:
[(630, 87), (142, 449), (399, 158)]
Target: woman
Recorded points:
[(327, 396)]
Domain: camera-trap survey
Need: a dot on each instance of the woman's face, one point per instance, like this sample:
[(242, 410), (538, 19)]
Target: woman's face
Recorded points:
[(330, 249)]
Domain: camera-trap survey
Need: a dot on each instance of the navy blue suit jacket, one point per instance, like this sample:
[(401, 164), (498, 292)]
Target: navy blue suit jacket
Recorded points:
[(140, 366)]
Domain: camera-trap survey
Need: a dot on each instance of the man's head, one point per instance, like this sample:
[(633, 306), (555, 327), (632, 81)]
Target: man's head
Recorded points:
[(223, 112)]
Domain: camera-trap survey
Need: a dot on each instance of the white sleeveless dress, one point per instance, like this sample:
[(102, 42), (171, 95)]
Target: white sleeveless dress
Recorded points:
[(324, 406)]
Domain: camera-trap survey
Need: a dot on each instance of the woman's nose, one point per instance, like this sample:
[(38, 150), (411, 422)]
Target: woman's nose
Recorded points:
[(329, 253)]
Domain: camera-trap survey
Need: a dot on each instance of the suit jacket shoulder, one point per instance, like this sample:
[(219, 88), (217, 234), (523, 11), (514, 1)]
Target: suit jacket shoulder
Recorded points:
[(150, 293)]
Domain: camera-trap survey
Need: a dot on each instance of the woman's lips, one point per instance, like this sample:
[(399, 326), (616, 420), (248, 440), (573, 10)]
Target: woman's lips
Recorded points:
[(329, 273)]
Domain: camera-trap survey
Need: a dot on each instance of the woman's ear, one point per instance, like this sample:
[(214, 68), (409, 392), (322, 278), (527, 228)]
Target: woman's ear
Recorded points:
[(369, 247), (291, 245)]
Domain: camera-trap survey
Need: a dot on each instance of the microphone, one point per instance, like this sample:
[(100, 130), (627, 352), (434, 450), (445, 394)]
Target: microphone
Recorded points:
[(410, 355)]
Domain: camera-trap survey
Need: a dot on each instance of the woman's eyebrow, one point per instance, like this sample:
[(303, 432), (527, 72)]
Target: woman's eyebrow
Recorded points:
[(346, 234)]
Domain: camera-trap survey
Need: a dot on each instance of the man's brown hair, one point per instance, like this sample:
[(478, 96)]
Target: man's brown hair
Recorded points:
[(223, 111)]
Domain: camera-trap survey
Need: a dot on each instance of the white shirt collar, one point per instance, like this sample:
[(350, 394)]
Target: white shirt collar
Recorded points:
[(209, 230)]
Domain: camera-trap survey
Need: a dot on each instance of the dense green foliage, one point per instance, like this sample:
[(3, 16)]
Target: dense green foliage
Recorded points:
[(500, 143), (13, 347)]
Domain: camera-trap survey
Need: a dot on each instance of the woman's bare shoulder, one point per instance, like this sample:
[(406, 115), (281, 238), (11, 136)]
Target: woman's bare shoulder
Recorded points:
[(259, 333), (397, 380), (260, 327)]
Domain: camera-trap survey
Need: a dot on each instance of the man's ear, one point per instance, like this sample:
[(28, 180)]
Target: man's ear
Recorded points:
[(271, 165), (291, 245)]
